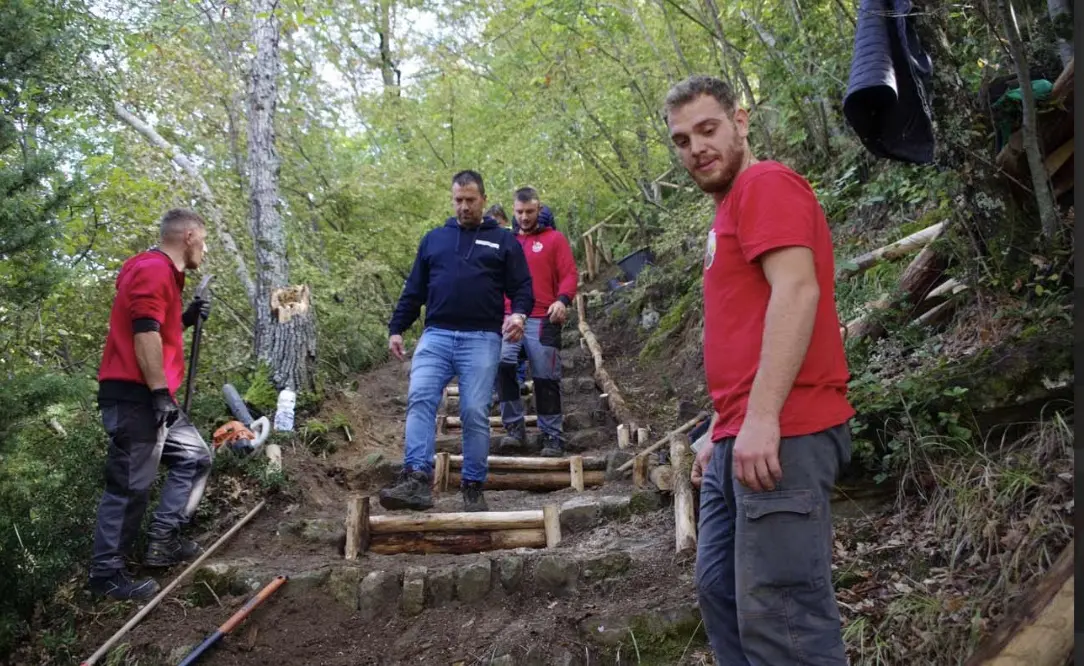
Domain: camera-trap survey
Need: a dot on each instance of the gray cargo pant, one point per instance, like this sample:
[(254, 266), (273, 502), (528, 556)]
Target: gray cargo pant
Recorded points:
[(542, 340), (136, 447), (763, 560)]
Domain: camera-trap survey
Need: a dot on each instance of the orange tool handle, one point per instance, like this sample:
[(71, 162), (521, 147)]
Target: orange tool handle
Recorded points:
[(252, 603)]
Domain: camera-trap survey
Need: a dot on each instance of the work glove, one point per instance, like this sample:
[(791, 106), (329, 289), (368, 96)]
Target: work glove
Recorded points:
[(197, 308), (166, 411)]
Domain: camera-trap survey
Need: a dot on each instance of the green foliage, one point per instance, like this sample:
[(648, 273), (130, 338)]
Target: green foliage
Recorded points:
[(261, 392)]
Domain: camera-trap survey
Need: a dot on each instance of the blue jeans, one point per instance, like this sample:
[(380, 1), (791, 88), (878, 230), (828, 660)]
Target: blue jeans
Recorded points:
[(764, 559), (441, 355)]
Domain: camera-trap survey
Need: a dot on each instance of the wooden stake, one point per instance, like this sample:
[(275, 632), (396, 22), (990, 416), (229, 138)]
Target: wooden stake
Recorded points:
[(575, 472), (662, 476), (551, 518), (530, 464), (641, 436), (465, 520), (639, 471), (622, 436), (535, 480), (684, 516), (353, 528), (494, 421), (443, 468), (274, 457), (458, 543), (581, 307), (683, 428)]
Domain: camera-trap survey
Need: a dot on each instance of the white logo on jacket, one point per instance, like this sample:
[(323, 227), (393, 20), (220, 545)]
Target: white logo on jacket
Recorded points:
[(709, 251), (495, 246), (537, 247)]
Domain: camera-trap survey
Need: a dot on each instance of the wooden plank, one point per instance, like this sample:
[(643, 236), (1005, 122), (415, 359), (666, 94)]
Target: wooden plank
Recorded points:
[(527, 463), (639, 472), (451, 422), (463, 520), (622, 436), (458, 543), (534, 480)]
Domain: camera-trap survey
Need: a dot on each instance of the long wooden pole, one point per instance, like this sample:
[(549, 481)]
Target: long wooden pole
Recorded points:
[(683, 428), (92, 659), (528, 463), (494, 421), (904, 246), (419, 543), (535, 480)]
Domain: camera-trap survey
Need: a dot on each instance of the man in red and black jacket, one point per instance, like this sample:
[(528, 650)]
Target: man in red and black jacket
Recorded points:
[(142, 368), (553, 279)]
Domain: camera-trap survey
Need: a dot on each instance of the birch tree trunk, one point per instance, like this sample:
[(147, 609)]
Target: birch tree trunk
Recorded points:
[(285, 336)]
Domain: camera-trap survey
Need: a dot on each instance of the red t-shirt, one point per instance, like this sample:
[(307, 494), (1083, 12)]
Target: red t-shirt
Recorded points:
[(769, 207), (552, 267), (149, 286)]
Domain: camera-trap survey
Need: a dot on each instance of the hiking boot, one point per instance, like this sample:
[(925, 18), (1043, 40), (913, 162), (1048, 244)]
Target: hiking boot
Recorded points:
[(412, 490), (121, 586), (166, 550), (473, 500), (516, 439), (552, 446)]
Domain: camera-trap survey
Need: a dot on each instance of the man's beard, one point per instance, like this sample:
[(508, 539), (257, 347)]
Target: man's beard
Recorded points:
[(723, 179), (469, 220)]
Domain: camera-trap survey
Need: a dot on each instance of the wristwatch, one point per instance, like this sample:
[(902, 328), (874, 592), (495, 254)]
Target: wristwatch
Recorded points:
[(522, 318)]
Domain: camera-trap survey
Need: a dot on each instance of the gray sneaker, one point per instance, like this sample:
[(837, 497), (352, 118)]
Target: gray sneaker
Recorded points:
[(413, 491), (516, 439), (552, 446)]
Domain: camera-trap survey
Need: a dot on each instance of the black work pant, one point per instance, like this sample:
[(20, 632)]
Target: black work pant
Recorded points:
[(136, 446)]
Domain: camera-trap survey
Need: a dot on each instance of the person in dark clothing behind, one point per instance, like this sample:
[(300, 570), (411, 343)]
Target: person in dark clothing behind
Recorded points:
[(462, 272), (496, 211), (142, 368)]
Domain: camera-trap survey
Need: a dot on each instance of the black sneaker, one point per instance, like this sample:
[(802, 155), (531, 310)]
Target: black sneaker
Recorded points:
[(473, 500), (412, 490), (516, 439), (166, 550), (121, 586), (552, 446)]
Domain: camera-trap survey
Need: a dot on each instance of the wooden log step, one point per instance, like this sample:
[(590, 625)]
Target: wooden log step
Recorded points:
[(526, 463), (683, 428), (494, 421), (453, 390), (443, 522), (532, 480), (458, 543)]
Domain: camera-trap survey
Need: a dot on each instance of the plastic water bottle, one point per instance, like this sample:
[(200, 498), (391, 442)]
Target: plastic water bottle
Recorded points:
[(284, 413)]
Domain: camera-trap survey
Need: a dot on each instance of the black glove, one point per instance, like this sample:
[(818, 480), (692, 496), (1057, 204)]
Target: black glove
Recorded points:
[(166, 411), (197, 308)]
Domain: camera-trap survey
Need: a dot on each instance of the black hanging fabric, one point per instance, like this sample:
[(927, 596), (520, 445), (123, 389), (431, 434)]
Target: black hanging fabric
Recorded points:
[(888, 94)]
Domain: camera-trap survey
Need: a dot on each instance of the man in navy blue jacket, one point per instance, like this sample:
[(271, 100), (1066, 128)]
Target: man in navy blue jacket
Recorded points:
[(461, 274)]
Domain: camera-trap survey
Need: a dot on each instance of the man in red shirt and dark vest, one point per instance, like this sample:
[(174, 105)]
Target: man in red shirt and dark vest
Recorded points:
[(778, 377), (142, 368), (553, 279)]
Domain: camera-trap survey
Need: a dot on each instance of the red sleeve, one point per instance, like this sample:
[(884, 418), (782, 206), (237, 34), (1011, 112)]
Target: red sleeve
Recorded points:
[(777, 210), (567, 274), (148, 292)]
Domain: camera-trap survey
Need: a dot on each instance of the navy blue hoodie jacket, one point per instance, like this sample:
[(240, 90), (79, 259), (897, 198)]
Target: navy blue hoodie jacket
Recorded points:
[(461, 276)]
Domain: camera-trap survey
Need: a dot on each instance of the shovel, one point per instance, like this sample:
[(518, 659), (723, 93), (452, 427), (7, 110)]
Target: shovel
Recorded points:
[(234, 620), (193, 359)]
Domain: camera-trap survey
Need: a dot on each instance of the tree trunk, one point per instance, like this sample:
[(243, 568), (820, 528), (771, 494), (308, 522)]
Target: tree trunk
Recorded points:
[(285, 341), (1041, 185)]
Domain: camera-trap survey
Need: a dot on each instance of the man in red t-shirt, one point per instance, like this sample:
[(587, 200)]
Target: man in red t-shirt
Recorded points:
[(142, 368), (778, 376), (554, 279)]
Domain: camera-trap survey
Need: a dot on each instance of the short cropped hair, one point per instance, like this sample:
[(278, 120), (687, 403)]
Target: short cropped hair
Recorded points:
[(497, 210), (176, 220), (466, 177), (693, 87), (526, 195)]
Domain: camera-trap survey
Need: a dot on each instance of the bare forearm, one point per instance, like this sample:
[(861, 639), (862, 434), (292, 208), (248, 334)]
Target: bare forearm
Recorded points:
[(148, 351), (788, 326)]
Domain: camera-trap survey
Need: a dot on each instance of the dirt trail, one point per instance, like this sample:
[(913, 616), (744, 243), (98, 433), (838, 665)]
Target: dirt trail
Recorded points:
[(611, 583)]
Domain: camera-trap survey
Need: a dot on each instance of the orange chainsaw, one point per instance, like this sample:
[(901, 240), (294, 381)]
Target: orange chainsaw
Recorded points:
[(244, 435)]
